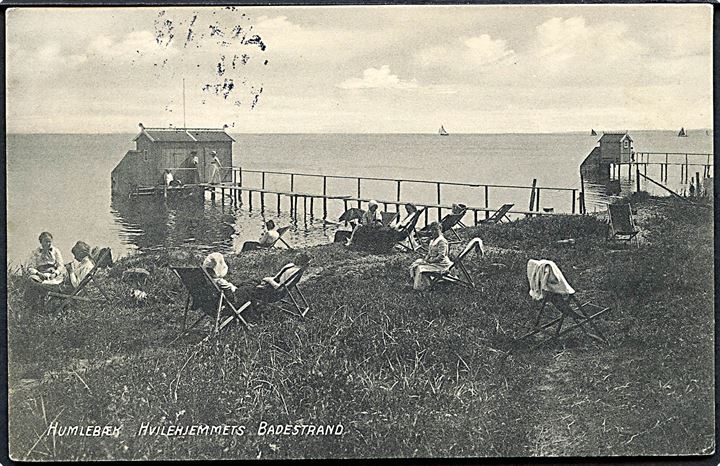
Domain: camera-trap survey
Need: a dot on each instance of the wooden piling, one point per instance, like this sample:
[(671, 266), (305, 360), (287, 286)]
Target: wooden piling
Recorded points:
[(532, 195), (312, 210), (262, 201), (697, 184), (439, 201), (537, 201), (358, 193), (278, 203), (574, 192), (687, 171), (487, 202), (324, 197), (250, 193)]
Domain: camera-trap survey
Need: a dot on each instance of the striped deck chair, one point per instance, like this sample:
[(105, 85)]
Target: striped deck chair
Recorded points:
[(457, 273), (206, 296), (287, 297), (407, 232), (499, 215), (621, 225), (102, 260)]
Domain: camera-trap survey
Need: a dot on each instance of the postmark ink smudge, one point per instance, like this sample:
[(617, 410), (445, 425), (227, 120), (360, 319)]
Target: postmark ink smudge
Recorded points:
[(255, 40), (215, 30), (190, 32)]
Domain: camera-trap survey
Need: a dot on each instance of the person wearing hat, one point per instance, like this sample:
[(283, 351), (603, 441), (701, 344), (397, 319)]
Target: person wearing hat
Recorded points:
[(215, 166), (76, 273), (216, 267), (372, 217)]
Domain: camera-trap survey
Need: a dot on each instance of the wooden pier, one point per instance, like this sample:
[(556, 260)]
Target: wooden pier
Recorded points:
[(261, 196), (665, 160)]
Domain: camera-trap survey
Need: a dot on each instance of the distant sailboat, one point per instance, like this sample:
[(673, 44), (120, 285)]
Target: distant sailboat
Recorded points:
[(593, 133), (442, 131), (682, 133)]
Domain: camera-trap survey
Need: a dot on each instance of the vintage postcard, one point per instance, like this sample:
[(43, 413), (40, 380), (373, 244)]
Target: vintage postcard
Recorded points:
[(360, 231)]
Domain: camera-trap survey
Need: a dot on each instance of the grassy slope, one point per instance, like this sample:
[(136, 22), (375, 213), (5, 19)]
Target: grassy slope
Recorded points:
[(406, 373)]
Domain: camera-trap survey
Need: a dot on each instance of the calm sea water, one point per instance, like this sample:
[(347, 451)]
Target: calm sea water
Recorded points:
[(61, 182)]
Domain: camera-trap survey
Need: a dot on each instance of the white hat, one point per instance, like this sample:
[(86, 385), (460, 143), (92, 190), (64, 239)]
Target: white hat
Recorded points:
[(372, 202), (216, 262)]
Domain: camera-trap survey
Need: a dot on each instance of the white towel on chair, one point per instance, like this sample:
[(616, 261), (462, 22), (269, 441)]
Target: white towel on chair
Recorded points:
[(545, 275), (475, 242)]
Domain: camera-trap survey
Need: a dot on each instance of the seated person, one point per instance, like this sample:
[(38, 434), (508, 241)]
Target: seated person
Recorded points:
[(398, 224), (371, 218), (267, 239), (216, 267), (436, 259), (45, 263), (264, 291), (77, 273)]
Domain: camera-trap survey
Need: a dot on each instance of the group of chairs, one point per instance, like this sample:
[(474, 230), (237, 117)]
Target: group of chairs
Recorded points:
[(102, 260), (205, 296)]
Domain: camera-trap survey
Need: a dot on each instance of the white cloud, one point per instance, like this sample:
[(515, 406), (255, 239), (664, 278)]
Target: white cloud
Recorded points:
[(484, 50), (378, 78), (465, 53), (563, 39)]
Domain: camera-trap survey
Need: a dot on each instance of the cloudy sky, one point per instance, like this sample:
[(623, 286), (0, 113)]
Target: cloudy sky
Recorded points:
[(474, 69)]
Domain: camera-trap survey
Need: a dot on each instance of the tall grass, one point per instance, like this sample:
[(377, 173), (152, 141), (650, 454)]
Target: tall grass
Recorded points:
[(405, 373)]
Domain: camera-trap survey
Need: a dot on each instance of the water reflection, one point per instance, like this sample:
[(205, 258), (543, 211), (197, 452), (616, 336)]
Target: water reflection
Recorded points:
[(153, 222)]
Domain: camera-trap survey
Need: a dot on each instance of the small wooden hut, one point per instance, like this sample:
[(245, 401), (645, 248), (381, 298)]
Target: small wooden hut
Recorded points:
[(158, 149)]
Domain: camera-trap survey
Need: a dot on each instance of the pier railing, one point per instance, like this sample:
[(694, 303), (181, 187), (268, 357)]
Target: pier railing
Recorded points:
[(665, 160), (360, 194)]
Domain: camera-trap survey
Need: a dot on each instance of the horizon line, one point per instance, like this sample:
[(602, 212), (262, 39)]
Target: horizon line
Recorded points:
[(21, 133)]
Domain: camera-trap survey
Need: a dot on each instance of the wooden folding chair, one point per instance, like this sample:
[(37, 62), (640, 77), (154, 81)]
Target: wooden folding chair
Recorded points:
[(621, 225), (281, 231), (287, 297), (564, 304), (499, 215), (388, 217), (103, 260), (205, 295), (408, 231), (457, 273), (448, 224)]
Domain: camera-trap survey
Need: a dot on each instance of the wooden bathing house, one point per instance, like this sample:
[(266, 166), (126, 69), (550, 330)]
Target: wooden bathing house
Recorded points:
[(613, 148), (141, 171)]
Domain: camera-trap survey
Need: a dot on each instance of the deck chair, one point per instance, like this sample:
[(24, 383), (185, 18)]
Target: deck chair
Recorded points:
[(563, 297), (620, 224), (499, 215), (254, 245), (448, 224), (457, 273), (287, 297), (205, 295), (405, 234), (570, 308), (103, 259), (388, 217)]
